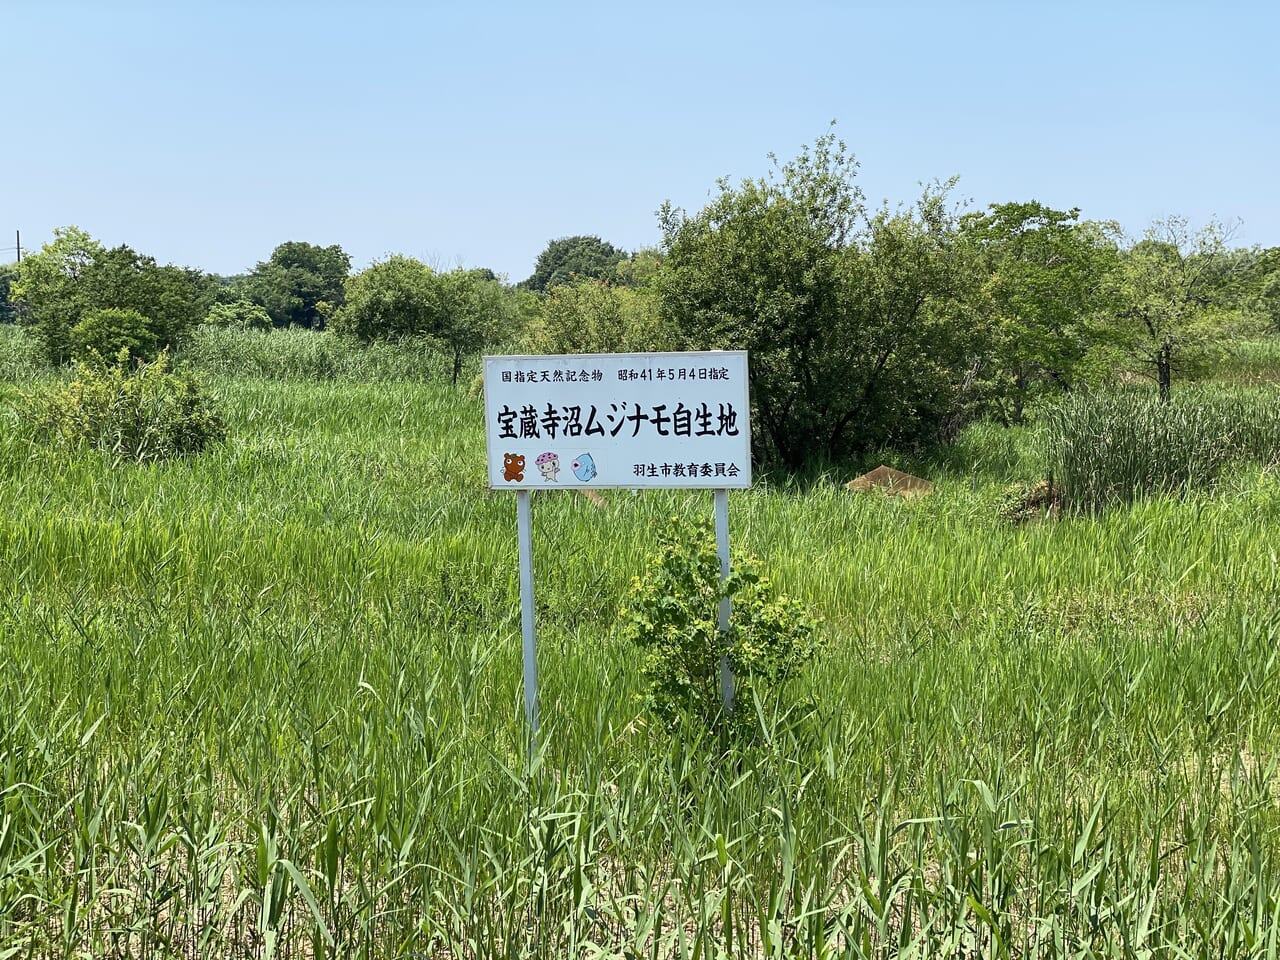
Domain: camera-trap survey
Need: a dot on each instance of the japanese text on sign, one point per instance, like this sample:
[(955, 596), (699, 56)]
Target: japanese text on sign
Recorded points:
[(618, 420)]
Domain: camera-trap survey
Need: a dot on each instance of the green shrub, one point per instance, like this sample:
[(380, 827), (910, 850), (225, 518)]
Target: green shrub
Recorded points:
[(673, 617), (131, 410), (1112, 448), (590, 316), (241, 315), (105, 333)]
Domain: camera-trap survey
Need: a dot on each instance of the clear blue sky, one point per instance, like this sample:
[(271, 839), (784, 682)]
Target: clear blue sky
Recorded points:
[(207, 133)]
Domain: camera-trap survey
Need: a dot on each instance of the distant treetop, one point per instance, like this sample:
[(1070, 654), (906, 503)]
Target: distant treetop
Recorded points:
[(301, 285), (574, 257)]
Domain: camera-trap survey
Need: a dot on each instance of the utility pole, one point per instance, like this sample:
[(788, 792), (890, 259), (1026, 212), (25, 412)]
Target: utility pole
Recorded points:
[(17, 235)]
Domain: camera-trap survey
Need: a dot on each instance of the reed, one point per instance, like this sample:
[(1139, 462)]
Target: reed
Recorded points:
[(265, 702)]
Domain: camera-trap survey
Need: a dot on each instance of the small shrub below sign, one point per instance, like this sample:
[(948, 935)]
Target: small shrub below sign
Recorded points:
[(132, 410), (673, 618)]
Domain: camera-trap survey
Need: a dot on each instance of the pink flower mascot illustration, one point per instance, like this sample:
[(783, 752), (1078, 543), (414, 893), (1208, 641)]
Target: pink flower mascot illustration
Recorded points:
[(549, 464)]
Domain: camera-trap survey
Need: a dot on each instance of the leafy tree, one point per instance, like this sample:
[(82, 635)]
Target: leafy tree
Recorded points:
[(391, 299), (913, 332), (1266, 278), (1042, 272), (301, 285), (474, 310), (1255, 291), (173, 299), (241, 315), (8, 274), (1171, 299), (229, 288), (461, 310), (570, 257), (590, 316), (640, 269), (73, 275), (853, 321), (52, 286), (106, 334)]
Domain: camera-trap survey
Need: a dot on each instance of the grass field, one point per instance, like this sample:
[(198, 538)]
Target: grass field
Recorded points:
[(266, 702)]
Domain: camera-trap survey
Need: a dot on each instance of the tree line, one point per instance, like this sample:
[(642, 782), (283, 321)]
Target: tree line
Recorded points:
[(866, 325)]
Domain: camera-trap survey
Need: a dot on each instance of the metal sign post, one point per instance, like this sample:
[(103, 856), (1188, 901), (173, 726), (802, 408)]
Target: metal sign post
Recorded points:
[(626, 421), (722, 548), (524, 525)]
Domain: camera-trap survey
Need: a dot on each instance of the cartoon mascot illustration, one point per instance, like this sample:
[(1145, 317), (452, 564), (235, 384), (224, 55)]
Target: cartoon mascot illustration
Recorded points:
[(549, 465), (513, 467), (584, 468)]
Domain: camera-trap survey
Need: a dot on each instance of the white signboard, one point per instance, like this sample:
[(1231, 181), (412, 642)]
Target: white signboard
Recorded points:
[(618, 420)]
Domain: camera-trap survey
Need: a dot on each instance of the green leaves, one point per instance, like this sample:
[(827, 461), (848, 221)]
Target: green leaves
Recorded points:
[(73, 276), (131, 411), (105, 333), (573, 258), (590, 316), (857, 323), (1042, 274), (241, 315), (462, 311), (1171, 300), (673, 616), (301, 285)]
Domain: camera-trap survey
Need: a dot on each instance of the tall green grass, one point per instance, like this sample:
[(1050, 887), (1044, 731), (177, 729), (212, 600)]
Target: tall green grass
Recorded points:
[(1113, 447), (1250, 362), (21, 359), (266, 702), (297, 355)]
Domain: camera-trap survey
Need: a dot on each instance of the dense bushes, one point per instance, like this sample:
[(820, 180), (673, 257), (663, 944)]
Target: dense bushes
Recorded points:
[(73, 278), (591, 316), (241, 315), (132, 410), (1114, 447), (461, 311), (105, 333), (859, 325)]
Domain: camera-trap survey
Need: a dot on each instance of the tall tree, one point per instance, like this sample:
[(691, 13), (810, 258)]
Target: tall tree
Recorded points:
[(852, 320), (300, 285), (1042, 273), (1172, 299), (1266, 273), (462, 310), (74, 276), (391, 299), (53, 289), (475, 311), (574, 257), (1256, 290)]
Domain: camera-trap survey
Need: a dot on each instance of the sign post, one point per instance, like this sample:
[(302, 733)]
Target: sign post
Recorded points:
[(524, 531), (620, 420), (722, 548)]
